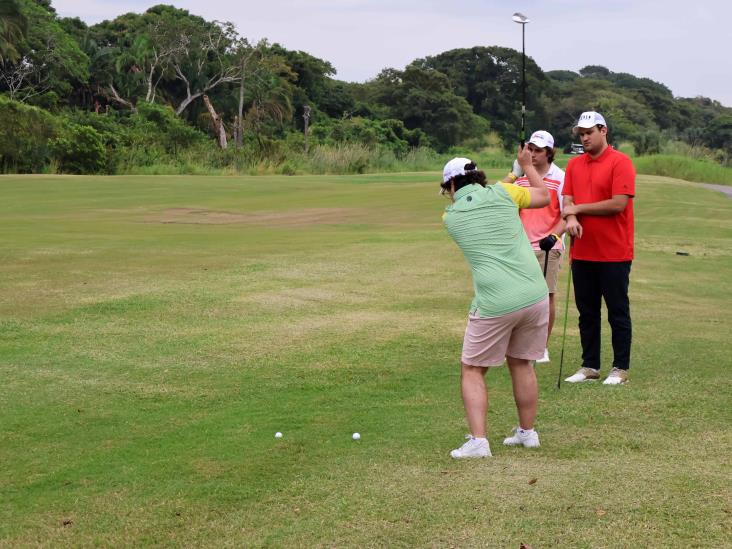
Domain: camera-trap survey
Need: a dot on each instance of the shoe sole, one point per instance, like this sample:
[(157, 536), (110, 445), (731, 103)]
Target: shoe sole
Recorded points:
[(583, 380)]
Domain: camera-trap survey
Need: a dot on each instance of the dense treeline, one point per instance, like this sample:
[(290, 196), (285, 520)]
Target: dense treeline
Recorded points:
[(169, 88)]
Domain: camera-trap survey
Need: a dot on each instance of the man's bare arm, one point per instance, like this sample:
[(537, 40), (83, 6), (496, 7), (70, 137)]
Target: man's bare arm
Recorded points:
[(537, 190), (611, 206)]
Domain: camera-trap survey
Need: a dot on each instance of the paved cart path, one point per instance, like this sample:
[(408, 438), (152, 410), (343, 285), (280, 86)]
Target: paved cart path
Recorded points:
[(721, 188)]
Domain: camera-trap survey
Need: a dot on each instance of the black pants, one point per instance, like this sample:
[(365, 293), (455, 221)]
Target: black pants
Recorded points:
[(594, 281)]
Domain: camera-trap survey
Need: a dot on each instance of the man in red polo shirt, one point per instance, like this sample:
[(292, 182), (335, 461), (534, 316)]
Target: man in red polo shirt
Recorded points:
[(599, 187)]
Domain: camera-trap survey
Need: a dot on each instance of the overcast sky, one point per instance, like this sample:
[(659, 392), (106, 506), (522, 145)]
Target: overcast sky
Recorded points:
[(680, 43)]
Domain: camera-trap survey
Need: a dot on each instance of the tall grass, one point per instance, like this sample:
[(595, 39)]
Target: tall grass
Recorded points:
[(355, 158), (682, 167)]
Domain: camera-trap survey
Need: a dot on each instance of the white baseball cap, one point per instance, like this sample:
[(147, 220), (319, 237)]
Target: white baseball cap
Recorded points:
[(589, 119), (542, 139), (455, 167)]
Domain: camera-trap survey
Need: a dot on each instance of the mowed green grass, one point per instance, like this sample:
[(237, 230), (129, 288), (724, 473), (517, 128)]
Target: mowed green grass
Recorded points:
[(155, 332)]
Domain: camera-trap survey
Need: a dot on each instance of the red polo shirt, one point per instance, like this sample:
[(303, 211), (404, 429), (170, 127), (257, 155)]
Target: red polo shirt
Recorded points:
[(604, 237)]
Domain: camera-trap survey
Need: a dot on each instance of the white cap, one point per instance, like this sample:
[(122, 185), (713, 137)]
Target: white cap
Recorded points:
[(589, 119), (455, 167), (542, 139)]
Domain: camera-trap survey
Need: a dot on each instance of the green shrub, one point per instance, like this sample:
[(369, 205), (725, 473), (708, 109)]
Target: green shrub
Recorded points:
[(170, 131), (647, 142), (390, 134), (79, 149), (24, 137)]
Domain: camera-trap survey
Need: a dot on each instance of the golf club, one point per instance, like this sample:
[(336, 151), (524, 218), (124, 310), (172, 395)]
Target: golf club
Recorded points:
[(521, 19), (566, 309), (546, 262)]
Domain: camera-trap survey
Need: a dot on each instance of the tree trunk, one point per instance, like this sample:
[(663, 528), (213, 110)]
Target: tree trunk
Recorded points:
[(306, 118), (218, 123), (240, 118), (237, 133), (116, 97)]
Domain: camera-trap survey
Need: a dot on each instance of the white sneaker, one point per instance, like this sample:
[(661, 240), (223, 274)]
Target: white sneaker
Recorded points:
[(584, 374), (523, 437), (545, 358), (474, 448), (616, 377)]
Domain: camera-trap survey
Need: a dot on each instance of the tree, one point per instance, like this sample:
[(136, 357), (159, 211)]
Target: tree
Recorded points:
[(423, 98), (200, 53), (245, 55), (562, 76), (164, 54), (13, 28), (50, 62), (313, 84), (719, 133), (268, 94), (489, 78)]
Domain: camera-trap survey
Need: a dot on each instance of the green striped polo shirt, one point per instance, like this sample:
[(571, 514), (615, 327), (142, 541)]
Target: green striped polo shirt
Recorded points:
[(484, 223)]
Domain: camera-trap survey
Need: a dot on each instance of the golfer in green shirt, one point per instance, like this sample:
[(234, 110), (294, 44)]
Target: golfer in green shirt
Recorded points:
[(509, 314)]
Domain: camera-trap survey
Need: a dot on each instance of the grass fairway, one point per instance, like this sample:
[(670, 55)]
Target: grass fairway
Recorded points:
[(155, 332)]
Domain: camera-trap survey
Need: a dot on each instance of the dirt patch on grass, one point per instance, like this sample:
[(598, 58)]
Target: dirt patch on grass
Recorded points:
[(290, 218)]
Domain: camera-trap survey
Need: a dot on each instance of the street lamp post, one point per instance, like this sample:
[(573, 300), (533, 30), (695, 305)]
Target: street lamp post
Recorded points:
[(521, 19)]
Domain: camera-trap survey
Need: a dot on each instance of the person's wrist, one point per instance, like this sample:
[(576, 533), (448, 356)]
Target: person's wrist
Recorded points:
[(512, 176)]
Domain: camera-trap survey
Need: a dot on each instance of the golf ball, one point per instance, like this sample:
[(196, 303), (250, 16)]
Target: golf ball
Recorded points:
[(356, 436), (278, 435)]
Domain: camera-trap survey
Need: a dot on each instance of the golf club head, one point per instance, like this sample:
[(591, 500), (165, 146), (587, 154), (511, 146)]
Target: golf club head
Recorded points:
[(520, 18)]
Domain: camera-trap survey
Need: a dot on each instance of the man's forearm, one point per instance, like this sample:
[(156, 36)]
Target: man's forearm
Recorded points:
[(611, 206)]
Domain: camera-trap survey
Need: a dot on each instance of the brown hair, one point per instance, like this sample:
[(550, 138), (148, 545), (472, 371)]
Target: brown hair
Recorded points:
[(472, 175)]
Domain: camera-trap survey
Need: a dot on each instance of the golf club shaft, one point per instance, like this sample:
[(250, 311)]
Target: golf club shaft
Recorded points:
[(566, 311), (546, 262)]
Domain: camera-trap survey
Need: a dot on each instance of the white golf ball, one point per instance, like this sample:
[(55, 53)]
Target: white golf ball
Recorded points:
[(356, 436), (278, 435)]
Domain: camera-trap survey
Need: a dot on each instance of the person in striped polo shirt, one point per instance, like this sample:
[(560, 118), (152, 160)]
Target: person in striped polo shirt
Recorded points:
[(508, 317), (544, 226)]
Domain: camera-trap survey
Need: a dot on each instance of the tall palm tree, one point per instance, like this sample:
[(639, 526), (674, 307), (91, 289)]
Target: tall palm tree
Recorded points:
[(13, 26), (269, 92)]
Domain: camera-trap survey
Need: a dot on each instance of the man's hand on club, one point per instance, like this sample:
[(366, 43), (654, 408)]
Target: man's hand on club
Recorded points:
[(547, 243), (523, 158)]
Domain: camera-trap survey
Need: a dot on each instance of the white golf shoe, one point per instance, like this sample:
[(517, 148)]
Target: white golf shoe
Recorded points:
[(616, 377), (545, 358), (523, 437), (473, 448), (584, 374)]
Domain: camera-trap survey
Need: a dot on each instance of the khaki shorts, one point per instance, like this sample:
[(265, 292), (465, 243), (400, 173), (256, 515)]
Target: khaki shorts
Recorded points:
[(552, 268), (520, 334)]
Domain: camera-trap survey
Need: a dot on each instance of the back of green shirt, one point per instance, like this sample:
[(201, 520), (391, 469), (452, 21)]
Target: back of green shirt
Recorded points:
[(485, 224)]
